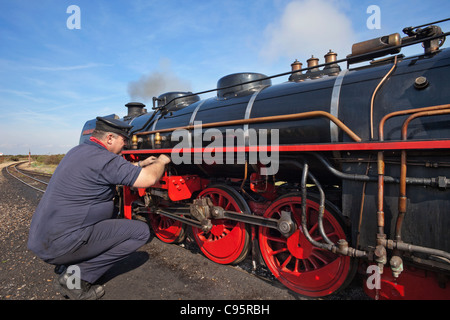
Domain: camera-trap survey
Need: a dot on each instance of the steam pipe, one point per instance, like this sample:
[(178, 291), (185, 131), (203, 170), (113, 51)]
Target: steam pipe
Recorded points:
[(321, 193), (381, 164), (380, 252), (321, 209), (146, 123), (288, 117), (403, 167), (390, 244), (405, 112), (372, 100), (342, 246), (366, 178), (398, 245), (329, 245)]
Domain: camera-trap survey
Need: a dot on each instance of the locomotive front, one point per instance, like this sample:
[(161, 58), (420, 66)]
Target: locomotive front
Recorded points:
[(333, 169)]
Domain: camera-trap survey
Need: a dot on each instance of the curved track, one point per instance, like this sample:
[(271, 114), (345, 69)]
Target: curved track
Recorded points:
[(28, 177)]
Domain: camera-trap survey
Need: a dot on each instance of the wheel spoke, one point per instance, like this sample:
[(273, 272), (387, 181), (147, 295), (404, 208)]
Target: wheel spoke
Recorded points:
[(306, 265), (166, 229), (220, 201), (286, 262), (313, 263), (319, 255), (297, 268), (295, 261), (280, 239), (228, 241), (275, 252), (228, 206), (313, 228), (333, 234)]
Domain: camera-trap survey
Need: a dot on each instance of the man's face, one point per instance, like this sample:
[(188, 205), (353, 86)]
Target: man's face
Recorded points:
[(116, 142)]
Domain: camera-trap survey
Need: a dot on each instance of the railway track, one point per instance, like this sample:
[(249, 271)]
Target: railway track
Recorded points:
[(37, 181)]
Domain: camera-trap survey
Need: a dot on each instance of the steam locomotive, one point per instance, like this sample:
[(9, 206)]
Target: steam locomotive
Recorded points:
[(332, 172)]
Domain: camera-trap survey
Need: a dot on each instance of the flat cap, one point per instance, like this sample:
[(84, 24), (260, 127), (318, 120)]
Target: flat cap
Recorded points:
[(113, 125)]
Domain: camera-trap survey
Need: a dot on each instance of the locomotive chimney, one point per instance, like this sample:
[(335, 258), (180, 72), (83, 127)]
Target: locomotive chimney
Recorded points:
[(135, 109)]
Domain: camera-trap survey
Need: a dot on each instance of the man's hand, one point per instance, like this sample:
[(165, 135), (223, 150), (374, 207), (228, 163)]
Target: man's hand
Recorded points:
[(163, 158), (147, 161), (152, 170)]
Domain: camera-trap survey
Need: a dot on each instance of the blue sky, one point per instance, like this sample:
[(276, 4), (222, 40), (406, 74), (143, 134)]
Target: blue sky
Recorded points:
[(53, 79)]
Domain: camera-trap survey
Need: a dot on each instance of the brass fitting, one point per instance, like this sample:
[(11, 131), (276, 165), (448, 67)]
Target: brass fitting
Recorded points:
[(134, 142)]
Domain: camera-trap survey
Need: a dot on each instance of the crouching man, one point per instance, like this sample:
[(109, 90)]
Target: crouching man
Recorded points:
[(74, 224)]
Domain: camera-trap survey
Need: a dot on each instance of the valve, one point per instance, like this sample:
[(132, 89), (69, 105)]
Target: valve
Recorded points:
[(396, 266)]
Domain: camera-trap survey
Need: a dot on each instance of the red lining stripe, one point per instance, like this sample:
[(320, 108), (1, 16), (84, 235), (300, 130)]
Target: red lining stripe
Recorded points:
[(353, 146)]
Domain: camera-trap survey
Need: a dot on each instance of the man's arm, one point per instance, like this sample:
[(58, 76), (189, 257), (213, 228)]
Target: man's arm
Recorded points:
[(152, 171)]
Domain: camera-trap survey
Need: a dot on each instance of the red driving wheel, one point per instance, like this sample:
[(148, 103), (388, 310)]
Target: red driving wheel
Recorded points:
[(228, 241), (166, 229), (294, 261)]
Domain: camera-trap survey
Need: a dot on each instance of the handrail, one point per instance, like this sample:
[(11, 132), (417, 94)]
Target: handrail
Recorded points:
[(289, 117)]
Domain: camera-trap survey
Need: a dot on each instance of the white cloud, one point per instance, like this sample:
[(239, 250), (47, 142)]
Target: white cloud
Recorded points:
[(308, 27)]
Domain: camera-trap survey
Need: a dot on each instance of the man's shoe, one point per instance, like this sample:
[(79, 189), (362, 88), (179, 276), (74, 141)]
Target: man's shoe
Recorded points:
[(60, 268), (86, 291)]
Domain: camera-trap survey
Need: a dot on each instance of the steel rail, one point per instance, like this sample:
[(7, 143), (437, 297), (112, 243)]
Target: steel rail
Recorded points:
[(29, 185), (36, 179)]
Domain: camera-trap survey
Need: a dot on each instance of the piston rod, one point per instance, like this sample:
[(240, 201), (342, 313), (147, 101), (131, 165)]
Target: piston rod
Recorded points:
[(285, 225)]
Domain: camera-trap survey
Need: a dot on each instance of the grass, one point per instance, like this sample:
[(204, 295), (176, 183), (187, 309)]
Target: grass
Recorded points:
[(39, 163)]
